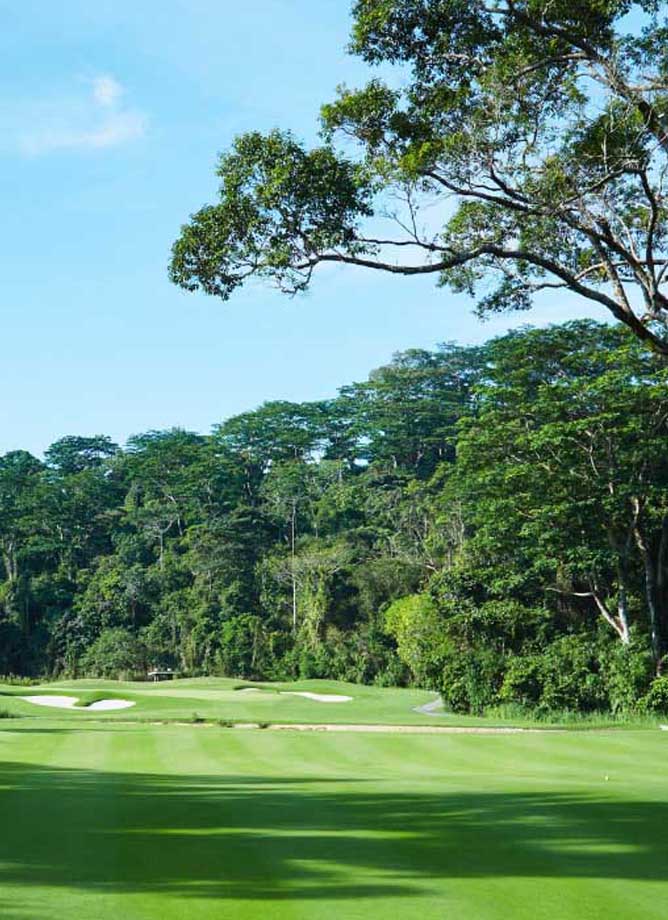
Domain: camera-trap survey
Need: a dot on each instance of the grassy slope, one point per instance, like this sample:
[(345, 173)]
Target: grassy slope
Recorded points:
[(137, 822), (219, 699)]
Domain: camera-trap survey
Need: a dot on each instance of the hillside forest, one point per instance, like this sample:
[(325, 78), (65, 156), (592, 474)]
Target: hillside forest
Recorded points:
[(489, 522)]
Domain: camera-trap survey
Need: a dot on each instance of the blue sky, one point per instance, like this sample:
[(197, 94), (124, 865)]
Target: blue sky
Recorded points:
[(113, 113)]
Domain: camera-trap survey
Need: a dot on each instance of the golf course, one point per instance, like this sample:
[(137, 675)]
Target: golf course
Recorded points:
[(182, 806), (334, 460)]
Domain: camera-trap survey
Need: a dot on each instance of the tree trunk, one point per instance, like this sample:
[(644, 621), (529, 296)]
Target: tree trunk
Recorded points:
[(9, 559), (623, 614), (620, 623)]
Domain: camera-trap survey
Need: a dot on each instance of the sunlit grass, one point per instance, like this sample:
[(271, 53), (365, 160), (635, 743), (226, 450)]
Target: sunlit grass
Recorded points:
[(129, 821)]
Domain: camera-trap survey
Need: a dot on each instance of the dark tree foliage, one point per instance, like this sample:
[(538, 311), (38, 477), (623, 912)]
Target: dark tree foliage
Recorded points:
[(491, 522)]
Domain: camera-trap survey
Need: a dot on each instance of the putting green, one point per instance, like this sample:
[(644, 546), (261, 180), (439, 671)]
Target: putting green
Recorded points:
[(110, 820), (221, 699)]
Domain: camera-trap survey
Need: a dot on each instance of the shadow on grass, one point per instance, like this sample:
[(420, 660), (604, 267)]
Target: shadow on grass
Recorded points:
[(260, 838), (10, 912)]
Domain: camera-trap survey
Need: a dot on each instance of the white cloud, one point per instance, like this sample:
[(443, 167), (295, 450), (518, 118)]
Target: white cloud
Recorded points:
[(96, 120), (116, 129), (106, 90)]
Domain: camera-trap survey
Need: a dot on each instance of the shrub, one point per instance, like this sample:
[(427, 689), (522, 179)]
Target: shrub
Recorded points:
[(570, 676), (656, 698), (471, 678), (627, 673), (418, 628), (523, 680), (15, 680), (117, 653), (564, 676), (313, 663)]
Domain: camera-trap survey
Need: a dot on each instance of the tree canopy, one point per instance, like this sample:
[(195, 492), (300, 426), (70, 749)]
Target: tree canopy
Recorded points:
[(509, 147), (489, 521)]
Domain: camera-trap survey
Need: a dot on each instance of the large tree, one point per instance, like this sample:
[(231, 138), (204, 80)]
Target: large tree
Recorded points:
[(536, 132), (563, 474)]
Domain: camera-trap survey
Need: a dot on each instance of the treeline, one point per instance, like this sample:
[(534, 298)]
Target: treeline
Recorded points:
[(490, 522)]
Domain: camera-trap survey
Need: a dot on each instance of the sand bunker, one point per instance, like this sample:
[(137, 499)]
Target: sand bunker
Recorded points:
[(108, 705), (58, 702), (70, 702), (318, 697)]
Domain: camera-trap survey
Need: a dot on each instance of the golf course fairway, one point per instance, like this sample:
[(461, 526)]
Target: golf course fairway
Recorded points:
[(114, 819)]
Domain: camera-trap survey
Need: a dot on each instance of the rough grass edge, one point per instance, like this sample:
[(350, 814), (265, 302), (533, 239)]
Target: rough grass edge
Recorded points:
[(570, 718)]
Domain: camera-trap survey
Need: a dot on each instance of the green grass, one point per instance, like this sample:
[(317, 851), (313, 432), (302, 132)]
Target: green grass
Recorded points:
[(219, 700), (127, 820)]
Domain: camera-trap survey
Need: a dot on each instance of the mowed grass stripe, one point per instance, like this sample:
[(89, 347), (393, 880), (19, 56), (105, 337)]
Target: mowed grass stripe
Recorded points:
[(141, 821)]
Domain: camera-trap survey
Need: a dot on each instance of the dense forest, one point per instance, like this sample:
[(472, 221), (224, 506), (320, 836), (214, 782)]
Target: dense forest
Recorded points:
[(490, 522)]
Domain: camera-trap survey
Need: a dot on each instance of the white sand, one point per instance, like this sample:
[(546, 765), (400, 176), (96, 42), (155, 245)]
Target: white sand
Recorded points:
[(108, 705), (318, 697), (58, 702), (69, 702)]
